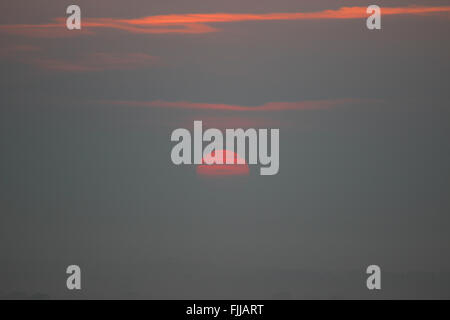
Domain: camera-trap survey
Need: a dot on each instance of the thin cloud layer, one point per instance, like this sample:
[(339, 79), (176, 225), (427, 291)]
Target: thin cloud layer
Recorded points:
[(200, 23), (269, 106), (97, 62)]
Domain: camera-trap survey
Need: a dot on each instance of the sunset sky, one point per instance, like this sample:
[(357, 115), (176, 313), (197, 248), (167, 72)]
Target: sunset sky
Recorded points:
[(85, 170)]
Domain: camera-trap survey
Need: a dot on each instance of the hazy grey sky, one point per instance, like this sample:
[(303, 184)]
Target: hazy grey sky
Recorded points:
[(86, 176)]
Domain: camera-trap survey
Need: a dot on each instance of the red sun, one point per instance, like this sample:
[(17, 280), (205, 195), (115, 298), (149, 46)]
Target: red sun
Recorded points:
[(233, 169)]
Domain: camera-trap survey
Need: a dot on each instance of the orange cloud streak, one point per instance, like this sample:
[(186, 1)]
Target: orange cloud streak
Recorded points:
[(198, 23), (269, 106)]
